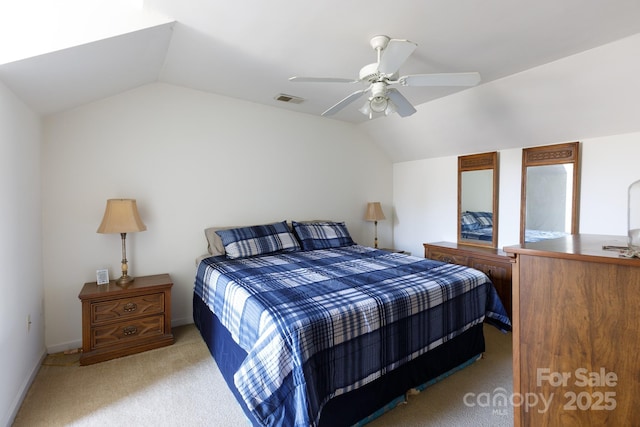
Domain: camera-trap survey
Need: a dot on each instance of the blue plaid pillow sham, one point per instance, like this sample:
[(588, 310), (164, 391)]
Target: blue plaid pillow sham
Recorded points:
[(322, 235), (485, 219), (469, 222), (258, 240)]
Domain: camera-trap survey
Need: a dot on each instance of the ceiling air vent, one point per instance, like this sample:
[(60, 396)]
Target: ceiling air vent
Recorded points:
[(289, 98)]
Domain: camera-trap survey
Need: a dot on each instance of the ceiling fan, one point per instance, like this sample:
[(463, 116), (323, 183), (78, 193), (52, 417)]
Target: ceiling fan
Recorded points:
[(392, 53)]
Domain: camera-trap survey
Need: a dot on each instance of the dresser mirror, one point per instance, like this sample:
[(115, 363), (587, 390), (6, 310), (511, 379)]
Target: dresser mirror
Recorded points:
[(549, 196), (478, 199)]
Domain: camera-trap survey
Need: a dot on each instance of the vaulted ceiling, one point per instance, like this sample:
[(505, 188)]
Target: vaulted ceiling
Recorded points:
[(248, 49)]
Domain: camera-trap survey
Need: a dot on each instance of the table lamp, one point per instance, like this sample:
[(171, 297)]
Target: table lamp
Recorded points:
[(121, 216), (374, 213)]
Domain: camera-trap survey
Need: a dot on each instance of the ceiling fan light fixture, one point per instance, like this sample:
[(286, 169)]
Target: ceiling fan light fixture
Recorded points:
[(379, 104), (391, 108), (384, 73), (366, 109)]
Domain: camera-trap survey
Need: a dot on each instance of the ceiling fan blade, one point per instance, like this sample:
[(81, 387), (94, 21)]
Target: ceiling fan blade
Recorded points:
[(441, 79), (395, 54), (403, 106), (321, 80), (346, 101)]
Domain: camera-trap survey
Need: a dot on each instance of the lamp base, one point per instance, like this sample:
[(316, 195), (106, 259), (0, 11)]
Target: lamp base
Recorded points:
[(124, 280)]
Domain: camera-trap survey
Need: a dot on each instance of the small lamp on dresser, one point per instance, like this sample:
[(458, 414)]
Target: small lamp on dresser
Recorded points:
[(121, 216), (374, 213)]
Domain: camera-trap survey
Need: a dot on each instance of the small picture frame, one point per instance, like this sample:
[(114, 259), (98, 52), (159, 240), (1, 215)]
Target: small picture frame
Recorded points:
[(102, 276)]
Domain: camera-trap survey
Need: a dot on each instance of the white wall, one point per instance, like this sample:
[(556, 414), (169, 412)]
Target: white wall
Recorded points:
[(192, 160), (425, 193), (609, 166), (425, 199), (20, 252)]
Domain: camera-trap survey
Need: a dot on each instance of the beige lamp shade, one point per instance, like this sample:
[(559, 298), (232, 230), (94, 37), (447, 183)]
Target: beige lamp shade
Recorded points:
[(121, 216), (374, 212)]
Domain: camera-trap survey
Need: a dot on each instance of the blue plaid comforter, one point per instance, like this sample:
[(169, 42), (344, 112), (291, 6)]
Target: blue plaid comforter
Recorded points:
[(316, 324)]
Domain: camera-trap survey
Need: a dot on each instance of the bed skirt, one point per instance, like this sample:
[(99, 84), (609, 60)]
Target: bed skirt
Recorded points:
[(365, 403)]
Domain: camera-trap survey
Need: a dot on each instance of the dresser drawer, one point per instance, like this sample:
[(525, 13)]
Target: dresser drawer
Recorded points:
[(123, 332), (493, 263), (448, 257), (500, 275), (495, 271), (124, 308)]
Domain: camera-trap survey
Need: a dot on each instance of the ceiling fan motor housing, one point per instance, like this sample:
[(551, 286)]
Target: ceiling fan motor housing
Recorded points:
[(369, 73)]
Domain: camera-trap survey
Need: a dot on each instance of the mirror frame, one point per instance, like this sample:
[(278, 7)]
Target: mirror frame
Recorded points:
[(556, 154), (475, 162)]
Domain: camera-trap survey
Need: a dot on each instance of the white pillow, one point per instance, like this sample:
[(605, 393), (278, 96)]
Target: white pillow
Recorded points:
[(214, 242)]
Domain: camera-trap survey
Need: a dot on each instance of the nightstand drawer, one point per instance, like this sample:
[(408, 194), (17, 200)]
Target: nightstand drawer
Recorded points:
[(127, 307), (121, 332)]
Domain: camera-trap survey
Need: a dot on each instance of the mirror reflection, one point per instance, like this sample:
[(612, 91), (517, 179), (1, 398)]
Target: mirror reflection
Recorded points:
[(549, 201), (477, 199)]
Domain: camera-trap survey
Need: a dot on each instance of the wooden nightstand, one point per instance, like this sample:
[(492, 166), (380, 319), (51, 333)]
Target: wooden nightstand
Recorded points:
[(118, 321)]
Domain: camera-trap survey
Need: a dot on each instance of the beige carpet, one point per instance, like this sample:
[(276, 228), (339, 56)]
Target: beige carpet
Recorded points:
[(180, 385)]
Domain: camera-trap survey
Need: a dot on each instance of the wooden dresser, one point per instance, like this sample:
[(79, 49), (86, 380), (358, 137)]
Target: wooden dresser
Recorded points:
[(118, 321), (576, 333), (492, 262)]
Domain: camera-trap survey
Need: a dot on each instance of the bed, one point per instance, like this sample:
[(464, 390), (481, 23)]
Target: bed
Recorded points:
[(476, 226), (479, 226), (309, 328), (538, 235)]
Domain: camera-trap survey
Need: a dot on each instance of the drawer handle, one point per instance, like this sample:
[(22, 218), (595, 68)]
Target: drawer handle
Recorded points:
[(130, 306), (129, 330)]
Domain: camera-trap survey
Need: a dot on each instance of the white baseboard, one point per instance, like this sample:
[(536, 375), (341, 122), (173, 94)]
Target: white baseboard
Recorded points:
[(181, 322), (17, 402), (58, 348)]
